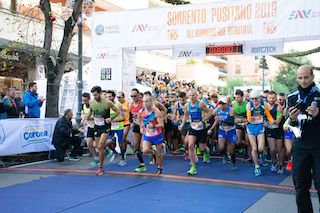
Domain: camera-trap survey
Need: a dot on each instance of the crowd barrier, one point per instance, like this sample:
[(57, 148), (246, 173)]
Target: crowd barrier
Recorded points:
[(26, 135)]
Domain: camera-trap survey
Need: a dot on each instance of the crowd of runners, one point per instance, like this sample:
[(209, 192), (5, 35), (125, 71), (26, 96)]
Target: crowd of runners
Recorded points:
[(191, 123)]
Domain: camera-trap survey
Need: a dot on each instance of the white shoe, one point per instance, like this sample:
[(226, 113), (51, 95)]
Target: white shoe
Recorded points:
[(281, 171), (122, 163), (274, 167), (113, 157)]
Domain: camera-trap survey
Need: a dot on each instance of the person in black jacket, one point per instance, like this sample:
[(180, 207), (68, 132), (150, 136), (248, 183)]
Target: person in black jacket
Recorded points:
[(304, 114), (63, 137), (10, 104)]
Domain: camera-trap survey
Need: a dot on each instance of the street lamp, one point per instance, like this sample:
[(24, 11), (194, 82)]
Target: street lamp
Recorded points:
[(79, 79), (264, 66)]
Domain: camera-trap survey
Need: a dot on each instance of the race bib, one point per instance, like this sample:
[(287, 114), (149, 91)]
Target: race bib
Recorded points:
[(115, 125), (135, 119), (197, 125), (258, 119), (99, 121), (150, 132)]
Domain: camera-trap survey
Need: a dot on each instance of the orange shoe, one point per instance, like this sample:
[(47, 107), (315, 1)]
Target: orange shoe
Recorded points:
[(289, 166)]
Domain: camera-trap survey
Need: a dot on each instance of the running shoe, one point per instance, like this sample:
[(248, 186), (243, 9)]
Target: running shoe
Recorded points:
[(192, 170), (113, 157), (100, 171), (289, 166), (274, 167), (206, 157), (225, 159), (159, 172), (280, 170), (74, 158), (122, 163), (198, 151), (141, 168), (257, 172), (94, 163)]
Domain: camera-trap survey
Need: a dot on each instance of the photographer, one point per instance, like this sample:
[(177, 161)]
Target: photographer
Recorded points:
[(303, 108)]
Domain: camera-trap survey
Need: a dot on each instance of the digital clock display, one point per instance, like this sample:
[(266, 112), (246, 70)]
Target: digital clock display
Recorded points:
[(224, 50)]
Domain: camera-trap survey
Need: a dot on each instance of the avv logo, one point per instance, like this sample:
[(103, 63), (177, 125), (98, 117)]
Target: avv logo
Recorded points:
[(2, 135), (99, 29), (35, 134)]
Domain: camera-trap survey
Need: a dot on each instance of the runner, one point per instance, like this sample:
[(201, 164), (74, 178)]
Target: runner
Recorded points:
[(255, 127), (100, 108), (240, 110), (197, 129), (151, 125), (125, 104), (88, 123), (227, 131), (275, 133), (135, 107), (178, 113), (117, 128)]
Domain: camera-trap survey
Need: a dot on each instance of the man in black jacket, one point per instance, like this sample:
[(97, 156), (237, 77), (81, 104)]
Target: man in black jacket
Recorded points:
[(306, 147), (63, 137)]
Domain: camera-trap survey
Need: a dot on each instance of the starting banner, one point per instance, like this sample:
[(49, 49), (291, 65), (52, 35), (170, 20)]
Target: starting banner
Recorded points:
[(224, 22), (19, 136)]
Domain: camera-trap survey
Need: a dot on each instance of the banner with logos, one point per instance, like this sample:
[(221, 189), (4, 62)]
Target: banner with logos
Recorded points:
[(107, 68), (189, 52), (265, 48), (19, 136), (217, 22), (128, 71)]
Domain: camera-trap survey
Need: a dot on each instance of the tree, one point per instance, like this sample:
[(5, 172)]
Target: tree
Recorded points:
[(278, 87), (54, 64), (287, 75), (231, 83)]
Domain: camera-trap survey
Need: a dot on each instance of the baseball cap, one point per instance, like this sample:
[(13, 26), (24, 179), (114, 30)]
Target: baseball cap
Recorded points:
[(255, 94), (223, 99)]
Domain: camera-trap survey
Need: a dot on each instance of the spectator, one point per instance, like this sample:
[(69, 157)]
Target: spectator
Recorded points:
[(10, 104), (19, 102), (32, 102), (3, 112), (63, 138)]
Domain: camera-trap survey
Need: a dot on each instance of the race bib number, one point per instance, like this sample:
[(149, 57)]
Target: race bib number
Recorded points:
[(197, 125), (150, 132), (115, 125), (135, 119), (99, 121)]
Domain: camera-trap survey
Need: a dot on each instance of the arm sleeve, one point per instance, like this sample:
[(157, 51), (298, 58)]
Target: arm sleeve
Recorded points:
[(268, 115), (249, 115)]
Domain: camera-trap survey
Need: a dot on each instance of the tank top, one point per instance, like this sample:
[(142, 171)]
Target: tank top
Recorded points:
[(100, 113), (273, 113), (257, 113), (150, 118), (222, 117), (240, 110), (116, 125), (135, 112), (195, 116)]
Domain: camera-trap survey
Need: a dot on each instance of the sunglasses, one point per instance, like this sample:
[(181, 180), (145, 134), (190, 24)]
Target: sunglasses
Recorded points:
[(281, 99), (254, 98), (133, 96), (120, 96)]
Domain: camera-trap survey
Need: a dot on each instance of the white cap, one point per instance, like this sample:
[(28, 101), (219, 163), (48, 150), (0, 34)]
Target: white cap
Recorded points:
[(255, 94), (223, 99)]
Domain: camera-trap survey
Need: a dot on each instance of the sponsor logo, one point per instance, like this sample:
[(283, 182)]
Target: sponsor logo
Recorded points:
[(99, 30), (144, 28), (269, 28), (189, 54), (104, 55), (106, 73), (304, 14), (173, 35), (2, 135), (264, 49), (35, 134), (111, 29)]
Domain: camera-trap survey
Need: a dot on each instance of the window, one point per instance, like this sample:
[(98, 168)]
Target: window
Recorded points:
[(238, 69)]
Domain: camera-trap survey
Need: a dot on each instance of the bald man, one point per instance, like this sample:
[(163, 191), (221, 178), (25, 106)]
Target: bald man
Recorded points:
[(303, 106)]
